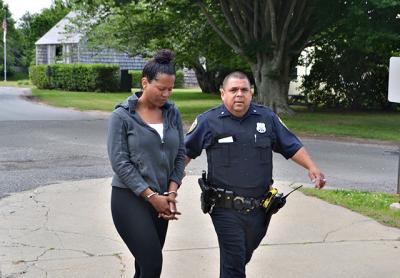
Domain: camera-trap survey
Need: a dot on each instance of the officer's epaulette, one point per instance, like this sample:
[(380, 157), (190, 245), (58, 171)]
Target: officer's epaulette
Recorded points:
[(212, 109), (262, 107)]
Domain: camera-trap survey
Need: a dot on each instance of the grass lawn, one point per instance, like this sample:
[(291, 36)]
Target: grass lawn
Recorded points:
[(16, 80), (374, 205), (80, 100), (25, 83), (191, 102), (368, 125)]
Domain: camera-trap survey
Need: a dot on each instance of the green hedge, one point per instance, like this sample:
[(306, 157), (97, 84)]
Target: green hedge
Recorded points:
[(76, 77), (137, 76), (10, 72), (38, 77), (179, 81)]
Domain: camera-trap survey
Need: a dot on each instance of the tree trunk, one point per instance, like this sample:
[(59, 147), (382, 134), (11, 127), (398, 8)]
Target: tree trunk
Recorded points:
[(206, 79), (272, 86)]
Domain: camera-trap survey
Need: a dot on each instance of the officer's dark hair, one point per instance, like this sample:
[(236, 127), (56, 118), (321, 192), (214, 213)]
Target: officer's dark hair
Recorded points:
[(161, 63), (235, 74)]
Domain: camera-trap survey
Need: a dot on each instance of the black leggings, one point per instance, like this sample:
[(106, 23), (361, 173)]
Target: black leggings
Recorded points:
[(142, 231)]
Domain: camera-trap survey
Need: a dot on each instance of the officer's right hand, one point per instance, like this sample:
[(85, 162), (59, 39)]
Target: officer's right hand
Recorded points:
[(317, 177)]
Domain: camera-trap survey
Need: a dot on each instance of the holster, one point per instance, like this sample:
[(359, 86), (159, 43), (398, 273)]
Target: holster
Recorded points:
[(207, 197)]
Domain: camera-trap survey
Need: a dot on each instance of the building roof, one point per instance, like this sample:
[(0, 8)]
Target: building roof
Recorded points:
[(59, 34)]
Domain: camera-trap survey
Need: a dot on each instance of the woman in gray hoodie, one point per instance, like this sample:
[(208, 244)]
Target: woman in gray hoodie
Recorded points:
[(147, 153)]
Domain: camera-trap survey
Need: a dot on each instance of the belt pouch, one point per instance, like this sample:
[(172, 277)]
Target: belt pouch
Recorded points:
[(228, 198)]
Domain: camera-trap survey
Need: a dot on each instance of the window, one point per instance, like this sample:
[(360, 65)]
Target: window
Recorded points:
[(59, 54)]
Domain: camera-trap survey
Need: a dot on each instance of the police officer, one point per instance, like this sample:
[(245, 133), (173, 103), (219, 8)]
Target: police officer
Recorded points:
[(239, 137)]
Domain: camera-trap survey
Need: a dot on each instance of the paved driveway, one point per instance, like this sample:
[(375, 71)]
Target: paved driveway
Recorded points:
[(13, 107), (40, 144)]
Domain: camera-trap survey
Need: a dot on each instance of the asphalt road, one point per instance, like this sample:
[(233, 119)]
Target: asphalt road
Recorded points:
[(42, 145)]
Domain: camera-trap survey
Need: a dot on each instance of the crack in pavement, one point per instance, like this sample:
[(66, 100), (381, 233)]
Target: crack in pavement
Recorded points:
[(330, 242), (345, 227), (33, 264), (44, 252), (288, 244), (121, 262), (87, 255), (85, 235)]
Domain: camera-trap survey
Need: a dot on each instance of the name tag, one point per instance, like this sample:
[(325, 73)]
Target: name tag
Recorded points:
[(226, 140)]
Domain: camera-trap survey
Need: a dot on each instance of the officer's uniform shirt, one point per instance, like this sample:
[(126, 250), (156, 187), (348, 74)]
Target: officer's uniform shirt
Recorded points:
[(239, 150)]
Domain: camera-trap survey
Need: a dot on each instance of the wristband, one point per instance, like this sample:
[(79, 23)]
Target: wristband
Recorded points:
[(170, 192), (151, 195)]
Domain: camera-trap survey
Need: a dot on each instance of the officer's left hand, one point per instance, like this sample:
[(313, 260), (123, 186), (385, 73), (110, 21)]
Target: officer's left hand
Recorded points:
[(317, 177)]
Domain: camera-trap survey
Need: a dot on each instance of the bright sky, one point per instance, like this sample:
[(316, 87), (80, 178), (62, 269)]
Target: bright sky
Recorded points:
[(19, 7)]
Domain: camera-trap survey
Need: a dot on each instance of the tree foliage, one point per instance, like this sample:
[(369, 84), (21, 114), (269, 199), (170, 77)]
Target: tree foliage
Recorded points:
[(270, 35), (13, 38), (351, 58), (34, 26), (143, 27)]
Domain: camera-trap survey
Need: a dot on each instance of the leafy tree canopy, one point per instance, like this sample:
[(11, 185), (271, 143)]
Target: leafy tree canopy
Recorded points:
[(351, 59), (143, 27), (13, 37), (34, 26), (270, 35)]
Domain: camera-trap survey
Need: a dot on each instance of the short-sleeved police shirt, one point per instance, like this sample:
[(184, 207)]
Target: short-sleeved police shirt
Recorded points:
[(239, 150)]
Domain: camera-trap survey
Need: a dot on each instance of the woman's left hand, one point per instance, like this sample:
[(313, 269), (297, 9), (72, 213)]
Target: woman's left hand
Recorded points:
[(172, 194), (172, 208)]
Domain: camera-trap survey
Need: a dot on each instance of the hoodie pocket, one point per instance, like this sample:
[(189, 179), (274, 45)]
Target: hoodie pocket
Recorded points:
[(133, 142)]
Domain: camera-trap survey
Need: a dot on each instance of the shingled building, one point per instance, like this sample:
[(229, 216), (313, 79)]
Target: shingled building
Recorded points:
[(61, 45)]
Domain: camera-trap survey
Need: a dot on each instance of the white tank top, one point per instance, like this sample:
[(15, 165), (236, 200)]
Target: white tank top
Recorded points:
[(159, 128)]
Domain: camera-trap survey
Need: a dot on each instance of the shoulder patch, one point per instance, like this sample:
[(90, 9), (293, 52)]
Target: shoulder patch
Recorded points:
[(282, 122), (193, 126)]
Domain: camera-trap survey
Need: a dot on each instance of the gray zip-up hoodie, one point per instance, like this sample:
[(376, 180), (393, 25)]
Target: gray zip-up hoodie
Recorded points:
[(138, 156)]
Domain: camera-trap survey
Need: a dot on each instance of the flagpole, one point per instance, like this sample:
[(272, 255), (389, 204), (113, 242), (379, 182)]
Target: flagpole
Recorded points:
[(5, 45), (5, 58)]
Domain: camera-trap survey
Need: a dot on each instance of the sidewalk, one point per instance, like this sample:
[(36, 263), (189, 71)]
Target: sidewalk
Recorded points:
[(66, 230)]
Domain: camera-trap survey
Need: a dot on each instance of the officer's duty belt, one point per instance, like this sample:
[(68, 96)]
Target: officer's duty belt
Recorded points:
[(227, 199)]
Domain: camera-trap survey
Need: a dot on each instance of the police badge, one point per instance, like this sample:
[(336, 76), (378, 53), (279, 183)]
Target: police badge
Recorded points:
[(261, 127)]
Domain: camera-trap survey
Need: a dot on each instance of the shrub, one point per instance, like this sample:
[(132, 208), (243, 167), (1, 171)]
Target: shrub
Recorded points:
[(136, 77), (179, 81), (39, 78), (76, 77), (10, 72)]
